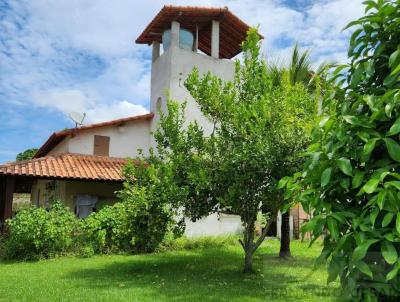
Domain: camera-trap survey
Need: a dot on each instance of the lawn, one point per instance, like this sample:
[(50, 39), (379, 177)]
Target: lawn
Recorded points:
[(210, 274)]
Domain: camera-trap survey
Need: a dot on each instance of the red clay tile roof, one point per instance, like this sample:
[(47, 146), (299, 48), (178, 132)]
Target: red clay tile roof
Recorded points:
[(232, 30), (57, 137), (68, 166)]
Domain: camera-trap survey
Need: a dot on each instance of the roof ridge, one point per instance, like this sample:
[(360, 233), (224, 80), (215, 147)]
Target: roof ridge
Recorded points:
[(106, 123)]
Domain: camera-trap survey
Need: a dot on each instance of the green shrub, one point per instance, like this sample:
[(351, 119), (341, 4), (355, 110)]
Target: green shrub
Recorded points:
[(136, 224), (40, 233), (150, 222), (151, 215), (86, 251), (351, 181), (108, 230)]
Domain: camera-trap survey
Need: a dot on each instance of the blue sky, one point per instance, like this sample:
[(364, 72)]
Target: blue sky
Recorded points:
[(71, 55)]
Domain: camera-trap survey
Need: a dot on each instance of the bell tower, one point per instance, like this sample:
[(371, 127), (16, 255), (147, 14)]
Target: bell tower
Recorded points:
[(182, 38)]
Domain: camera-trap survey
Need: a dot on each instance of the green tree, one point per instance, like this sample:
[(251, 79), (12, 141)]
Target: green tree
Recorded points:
[(151, 200), (230, 170), (298, 70), (27, 154), (351, 181)]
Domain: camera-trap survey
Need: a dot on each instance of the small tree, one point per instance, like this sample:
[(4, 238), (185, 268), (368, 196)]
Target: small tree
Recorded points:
[(297, 71), (151, 202), (351, 181), (230, 170), (27, 154)]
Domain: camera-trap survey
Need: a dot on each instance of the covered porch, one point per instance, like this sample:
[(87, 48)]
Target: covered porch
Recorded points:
[(61, 177)]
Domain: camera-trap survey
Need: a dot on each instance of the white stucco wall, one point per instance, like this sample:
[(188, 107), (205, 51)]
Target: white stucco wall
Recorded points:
[(214, 225), (124, 140), (62, 147), (169, 72)]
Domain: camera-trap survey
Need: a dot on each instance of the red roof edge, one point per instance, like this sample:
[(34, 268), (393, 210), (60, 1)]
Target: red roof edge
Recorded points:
[(57, 137)]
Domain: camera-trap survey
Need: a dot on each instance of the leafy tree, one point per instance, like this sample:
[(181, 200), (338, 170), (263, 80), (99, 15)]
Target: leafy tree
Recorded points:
[(230, 170), (297, 71), (27, 154), (351, 181), (149, 201)]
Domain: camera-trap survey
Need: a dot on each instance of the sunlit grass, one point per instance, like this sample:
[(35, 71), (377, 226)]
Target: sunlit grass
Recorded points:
[(208, 274)]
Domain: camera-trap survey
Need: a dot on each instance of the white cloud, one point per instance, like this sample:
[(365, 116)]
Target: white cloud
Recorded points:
[(69, 101), (65, 101), (80, 55), (112, 111)]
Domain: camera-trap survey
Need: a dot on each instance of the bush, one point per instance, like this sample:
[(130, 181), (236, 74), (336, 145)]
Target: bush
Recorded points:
[(351, 181), (150, 222), (109, 230), (86, 251), (136, 224), (40, 233), (151, 216)]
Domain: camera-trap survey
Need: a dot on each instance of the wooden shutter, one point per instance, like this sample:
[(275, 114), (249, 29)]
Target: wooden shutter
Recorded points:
[(101, 145)]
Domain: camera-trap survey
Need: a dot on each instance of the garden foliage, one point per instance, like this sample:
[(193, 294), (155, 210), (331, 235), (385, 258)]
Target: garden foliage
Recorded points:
[(148, 199), (230, 169), (108, 230), (40, 233), (351, 183)]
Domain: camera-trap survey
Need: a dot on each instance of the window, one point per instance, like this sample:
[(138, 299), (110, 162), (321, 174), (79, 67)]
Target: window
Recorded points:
[(101, 145)]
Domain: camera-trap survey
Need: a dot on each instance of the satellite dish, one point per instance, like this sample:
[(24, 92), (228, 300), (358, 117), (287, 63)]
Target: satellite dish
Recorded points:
[(77, 118)]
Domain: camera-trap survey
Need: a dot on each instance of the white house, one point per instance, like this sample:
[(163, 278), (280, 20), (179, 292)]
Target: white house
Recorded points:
[(82, 166)]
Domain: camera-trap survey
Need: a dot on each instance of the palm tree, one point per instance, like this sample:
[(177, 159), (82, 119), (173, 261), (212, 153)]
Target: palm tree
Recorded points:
[(299, 70)]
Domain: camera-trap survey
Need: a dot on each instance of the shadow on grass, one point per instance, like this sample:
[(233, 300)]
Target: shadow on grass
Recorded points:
[(206, 275)]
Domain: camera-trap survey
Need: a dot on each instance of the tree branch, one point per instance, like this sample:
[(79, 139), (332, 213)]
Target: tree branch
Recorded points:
[(264, 232)]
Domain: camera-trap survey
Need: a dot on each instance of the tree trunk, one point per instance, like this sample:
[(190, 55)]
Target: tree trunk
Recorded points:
[(285, 236), (248, 262), (248, 247)]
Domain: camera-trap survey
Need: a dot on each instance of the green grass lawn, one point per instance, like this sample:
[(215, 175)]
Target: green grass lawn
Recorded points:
[(212, 274)]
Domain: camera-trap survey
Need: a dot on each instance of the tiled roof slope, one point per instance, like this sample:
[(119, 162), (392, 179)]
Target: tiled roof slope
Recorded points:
[(232, 29), (68, 166)]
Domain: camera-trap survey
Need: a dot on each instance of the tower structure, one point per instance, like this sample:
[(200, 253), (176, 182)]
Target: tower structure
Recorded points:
[(206, 38)]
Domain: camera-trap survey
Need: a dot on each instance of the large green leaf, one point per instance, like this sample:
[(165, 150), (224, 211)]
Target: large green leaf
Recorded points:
[(333, 227), (389, 252), (355, 120), (394, 59), (357, 179), (393, 273), (368, 148), (345, 166), (334, 268), (393, 183), (395, 128), (393, 149), (326, 177), (373, 215), (387, 219), (370, 186), (361, 250), (364, 268)]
